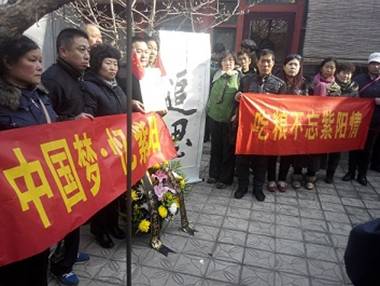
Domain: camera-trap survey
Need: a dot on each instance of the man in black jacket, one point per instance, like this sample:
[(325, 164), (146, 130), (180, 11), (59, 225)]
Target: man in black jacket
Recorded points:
[(261, 82), (369, 87), (63, 81)]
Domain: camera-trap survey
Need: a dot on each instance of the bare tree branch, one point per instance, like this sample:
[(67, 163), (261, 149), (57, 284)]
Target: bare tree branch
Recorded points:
[(150, 15)]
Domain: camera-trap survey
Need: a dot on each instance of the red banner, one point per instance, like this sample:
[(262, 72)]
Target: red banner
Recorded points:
[(53, 178), (289, 124)]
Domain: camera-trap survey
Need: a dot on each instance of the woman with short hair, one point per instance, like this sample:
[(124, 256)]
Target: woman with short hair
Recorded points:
[(220, 110), (103, 96)]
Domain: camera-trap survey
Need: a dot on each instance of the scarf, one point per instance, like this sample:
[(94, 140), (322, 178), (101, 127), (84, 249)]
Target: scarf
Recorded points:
[(321, 85)]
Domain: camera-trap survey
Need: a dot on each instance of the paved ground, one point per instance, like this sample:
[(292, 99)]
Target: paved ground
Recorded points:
[(293, 238)]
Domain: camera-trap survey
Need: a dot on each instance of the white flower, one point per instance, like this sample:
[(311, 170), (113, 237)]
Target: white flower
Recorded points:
[(173, 208)]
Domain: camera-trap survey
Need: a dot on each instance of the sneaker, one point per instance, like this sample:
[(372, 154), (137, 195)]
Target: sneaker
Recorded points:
[(82, 257), (310, 183), (68, 279), (282, 186), (272, 187), (297, 181)]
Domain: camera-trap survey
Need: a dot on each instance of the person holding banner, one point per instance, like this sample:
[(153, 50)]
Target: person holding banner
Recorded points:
[(262, 82), (324, 81), (23, 102), (220, 109), (369, 87), (292, 74), (64, 83), (103, 97), (343, 77)]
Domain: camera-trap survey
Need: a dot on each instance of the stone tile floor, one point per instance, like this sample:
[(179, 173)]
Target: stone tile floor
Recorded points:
[(293, 238)]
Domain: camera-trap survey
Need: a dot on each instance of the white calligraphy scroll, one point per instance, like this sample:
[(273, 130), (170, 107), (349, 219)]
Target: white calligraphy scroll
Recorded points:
[(186, 58)]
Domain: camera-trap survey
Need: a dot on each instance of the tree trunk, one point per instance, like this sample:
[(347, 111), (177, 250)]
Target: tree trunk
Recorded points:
[(18, 15)]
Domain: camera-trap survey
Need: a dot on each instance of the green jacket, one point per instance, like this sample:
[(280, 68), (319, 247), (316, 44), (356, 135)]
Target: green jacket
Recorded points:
[(221, 103)]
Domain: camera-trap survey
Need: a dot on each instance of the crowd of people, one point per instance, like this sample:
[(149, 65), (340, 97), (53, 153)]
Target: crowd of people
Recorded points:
[(83, 83), (252, 71), (86, 82)]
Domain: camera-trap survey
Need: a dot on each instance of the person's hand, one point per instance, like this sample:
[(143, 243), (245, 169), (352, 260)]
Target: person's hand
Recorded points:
[(238, 96), (162, 113), (84, 115), (377, 100), (137, 106)]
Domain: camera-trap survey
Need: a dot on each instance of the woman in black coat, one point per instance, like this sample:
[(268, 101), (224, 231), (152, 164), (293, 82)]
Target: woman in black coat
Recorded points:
[(103, 96), (23, 102)]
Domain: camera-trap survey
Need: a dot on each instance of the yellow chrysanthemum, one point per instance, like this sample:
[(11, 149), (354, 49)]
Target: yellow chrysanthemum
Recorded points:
[(165, 164), (144, 225), (182, 184), (156, 166), (134, 195), (162, 211), (168, 196)]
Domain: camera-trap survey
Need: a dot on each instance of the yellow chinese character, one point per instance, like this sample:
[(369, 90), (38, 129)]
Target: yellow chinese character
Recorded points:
[(280, 121), (154, 137), (258, 125), (355, 121), (58, 158), (327, 123), (141, 135), (297, 124), (312, 126), (118, 143), (341, 125), (35, 185), (88, 159)]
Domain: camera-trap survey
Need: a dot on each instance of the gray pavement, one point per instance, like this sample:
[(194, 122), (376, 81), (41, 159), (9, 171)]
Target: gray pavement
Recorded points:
[(293, 238)]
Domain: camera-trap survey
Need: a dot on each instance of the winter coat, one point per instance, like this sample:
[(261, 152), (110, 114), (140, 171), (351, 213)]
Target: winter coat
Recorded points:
[(304, 88), (221, 104), (64, 84), (372, 91), (267, 84), (121, 80), (325, 86), (350, 89), (22, 107), (102, 98)]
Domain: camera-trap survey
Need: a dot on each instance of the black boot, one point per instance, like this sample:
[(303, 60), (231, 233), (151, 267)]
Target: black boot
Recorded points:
[(362, 180), (329, 177), (104, 240), (258, 193), (240, 192), (117, 232), (349, 176)]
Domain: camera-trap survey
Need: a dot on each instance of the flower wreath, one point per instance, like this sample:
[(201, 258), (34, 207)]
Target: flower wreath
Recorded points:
[(168, 182)]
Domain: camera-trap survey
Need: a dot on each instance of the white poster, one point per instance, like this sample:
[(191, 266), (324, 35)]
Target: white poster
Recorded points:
[(186, 58), (153, 90)]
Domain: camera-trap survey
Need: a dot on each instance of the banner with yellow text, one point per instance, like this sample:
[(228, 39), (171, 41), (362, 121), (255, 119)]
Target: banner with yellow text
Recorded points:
[(289, 124), (53, 178)]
